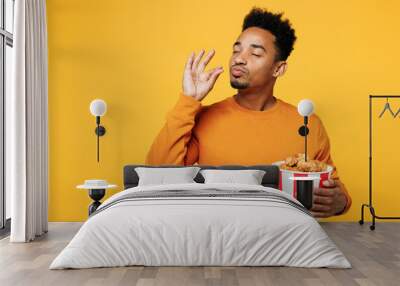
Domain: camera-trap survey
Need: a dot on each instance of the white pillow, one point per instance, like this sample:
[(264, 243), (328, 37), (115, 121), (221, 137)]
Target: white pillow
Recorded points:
[(249, 176), (166, 175)]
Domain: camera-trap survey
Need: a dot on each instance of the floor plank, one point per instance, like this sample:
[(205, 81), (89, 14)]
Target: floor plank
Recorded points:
[(375, 256)]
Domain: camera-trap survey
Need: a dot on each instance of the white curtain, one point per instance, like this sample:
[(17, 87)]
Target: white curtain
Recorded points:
[(26, 123)]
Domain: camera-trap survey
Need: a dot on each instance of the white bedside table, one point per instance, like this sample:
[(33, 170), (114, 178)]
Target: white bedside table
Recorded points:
[(97, 190)]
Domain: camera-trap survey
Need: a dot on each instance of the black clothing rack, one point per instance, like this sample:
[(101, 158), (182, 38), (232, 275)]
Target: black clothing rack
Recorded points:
[(369, 205)]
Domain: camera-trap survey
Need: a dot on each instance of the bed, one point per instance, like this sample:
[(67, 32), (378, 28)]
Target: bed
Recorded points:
[(201, 224)]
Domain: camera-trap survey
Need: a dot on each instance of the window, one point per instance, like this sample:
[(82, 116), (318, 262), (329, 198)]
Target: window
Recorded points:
[(6, 57)]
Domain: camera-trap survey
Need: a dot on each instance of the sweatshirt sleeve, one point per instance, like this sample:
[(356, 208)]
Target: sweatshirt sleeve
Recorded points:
[(324, 155), (175, 144)]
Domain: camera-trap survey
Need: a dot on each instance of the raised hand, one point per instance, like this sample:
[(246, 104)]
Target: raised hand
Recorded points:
[(197, 82)]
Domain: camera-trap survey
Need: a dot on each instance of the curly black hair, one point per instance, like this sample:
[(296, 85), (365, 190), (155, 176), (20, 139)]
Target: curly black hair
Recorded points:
[(281, 29)]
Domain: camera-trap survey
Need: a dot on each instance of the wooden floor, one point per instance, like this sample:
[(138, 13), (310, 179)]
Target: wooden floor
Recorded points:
[(375, 256)]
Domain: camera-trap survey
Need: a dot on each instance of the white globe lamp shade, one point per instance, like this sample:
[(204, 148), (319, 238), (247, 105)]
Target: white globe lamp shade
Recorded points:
[(305, 107), (98, 107)]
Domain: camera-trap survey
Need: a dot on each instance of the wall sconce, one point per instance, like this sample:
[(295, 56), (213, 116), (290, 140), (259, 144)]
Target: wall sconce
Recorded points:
[(98, 108), (305, 108)]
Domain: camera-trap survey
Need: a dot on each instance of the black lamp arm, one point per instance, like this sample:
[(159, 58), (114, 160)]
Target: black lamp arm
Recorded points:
[(305, 137)]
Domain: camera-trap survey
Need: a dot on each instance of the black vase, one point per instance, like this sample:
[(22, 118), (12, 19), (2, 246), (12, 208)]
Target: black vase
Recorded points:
[(96, 195)]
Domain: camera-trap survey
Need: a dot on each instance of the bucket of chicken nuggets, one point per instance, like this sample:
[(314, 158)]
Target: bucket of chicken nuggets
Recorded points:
[(296, 166)]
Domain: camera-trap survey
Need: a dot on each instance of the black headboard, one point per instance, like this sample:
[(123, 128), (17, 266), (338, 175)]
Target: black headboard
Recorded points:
[(270, 179)]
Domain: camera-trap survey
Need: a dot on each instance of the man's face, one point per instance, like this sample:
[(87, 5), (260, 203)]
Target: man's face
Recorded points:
[(252, 63)]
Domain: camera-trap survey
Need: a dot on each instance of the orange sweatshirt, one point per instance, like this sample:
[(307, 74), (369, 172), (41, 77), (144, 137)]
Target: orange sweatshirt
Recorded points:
[(227, 133)]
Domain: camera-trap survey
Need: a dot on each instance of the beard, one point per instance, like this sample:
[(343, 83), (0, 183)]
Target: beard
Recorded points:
[(239, 85)]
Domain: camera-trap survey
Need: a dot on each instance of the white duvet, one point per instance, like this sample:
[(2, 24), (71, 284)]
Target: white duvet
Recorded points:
[(183, 231)]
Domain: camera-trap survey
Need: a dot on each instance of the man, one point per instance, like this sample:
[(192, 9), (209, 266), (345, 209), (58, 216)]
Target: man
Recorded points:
[(252, 126)]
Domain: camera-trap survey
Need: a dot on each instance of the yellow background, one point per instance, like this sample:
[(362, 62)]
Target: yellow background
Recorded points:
[(132, 53)]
